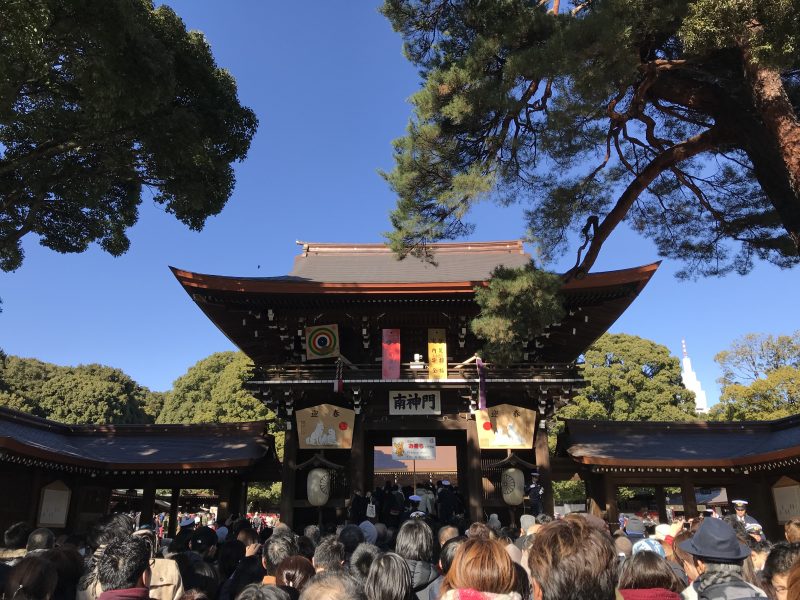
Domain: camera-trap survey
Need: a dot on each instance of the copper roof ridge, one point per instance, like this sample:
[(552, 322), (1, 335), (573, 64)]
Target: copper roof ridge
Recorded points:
[(383, 248)]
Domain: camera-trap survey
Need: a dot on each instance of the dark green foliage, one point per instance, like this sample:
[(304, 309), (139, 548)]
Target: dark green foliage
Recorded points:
[(212, 391), (630, 379), (82, 394), (628, 110), (99, 100), (760, 378), (516, 305)]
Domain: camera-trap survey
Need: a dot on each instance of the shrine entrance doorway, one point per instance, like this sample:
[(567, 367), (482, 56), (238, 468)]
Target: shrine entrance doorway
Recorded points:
[(450, 462)]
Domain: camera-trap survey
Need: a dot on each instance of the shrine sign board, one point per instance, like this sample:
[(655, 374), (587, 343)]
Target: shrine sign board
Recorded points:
[(506, 427), (414, 448), (325, 427), (415, 402), (437, 354)]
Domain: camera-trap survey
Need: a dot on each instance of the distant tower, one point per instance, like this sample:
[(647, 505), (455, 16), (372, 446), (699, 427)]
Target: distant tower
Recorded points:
[(689, 378)]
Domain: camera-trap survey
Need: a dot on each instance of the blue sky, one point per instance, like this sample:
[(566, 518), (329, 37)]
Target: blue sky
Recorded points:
[(329, 85)]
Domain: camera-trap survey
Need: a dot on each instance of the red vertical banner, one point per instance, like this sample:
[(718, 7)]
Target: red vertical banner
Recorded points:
[(391, 354)]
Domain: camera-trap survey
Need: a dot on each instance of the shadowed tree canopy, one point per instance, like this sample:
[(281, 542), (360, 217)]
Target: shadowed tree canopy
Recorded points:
[(678, 117), (100, 103), (631, 379), (760, 378)]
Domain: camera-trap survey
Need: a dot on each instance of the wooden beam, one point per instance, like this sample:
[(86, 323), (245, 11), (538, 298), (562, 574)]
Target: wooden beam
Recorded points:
[(612, 508), (358, 458), (288, 476), (474, 475), (173, 512), (661, 502), (148, 504), (689, 497), (595, 493), (543, 466)]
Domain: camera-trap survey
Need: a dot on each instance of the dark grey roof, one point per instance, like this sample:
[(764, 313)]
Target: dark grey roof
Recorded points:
[(376, 263), (709, 443), (108, 446)]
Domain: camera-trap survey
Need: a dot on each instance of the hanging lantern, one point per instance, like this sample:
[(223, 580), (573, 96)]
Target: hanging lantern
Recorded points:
[(318, 486), (512, 485)]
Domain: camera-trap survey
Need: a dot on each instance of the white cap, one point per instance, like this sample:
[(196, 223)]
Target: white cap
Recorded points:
[(446, 482), (742, 502)]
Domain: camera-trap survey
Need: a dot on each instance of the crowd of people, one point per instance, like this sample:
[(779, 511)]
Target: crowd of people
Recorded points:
[(417, 556)]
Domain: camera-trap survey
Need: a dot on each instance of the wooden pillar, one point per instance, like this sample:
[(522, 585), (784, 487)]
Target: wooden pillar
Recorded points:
[(148, 503), (288, 476), (357, 458), (612, 508), (543, 466), (595, 493), (689, 497), (237, 496), (661, 502), (764, 510), (474, 475), (173, 512), (36, 496)]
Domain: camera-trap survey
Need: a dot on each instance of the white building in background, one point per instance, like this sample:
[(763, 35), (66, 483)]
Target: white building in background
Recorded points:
[(689, 378)]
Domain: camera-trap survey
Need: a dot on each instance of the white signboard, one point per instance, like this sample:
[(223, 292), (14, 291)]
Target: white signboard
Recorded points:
[(787, 502), (414, 448), (414, 402)]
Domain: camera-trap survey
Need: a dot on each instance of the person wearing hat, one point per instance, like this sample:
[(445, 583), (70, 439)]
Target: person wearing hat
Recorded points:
[(750, 523), (414, 511), (446, 503), (718, 556), (535, 494)]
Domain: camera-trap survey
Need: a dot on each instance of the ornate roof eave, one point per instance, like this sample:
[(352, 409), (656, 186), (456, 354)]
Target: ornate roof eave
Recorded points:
[(19, 444), (612, 445), (201, 282)]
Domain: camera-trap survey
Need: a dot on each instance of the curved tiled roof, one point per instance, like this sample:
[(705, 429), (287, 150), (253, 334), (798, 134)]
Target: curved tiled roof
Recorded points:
[(696, 444), (117, 447)]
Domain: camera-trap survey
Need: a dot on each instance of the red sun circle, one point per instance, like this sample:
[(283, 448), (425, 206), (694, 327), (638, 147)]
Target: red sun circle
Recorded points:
[(487, 426), (342, 425)]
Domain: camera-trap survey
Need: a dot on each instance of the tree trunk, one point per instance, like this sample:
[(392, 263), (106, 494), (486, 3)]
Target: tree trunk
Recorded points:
[(782, 127)]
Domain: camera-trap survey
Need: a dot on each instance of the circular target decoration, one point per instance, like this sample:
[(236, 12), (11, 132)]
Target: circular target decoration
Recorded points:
[(487, 425), (323, 341), (342, 425)]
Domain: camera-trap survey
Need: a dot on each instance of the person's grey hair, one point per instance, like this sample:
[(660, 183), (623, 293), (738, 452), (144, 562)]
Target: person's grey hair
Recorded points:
[(276, 548), (415, 541), (329, 553), (448, 532), (332, 585), (313, 533), (256, 591)]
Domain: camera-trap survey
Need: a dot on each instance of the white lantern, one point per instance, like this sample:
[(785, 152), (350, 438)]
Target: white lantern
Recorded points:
[(512, 485), (318, 486)]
